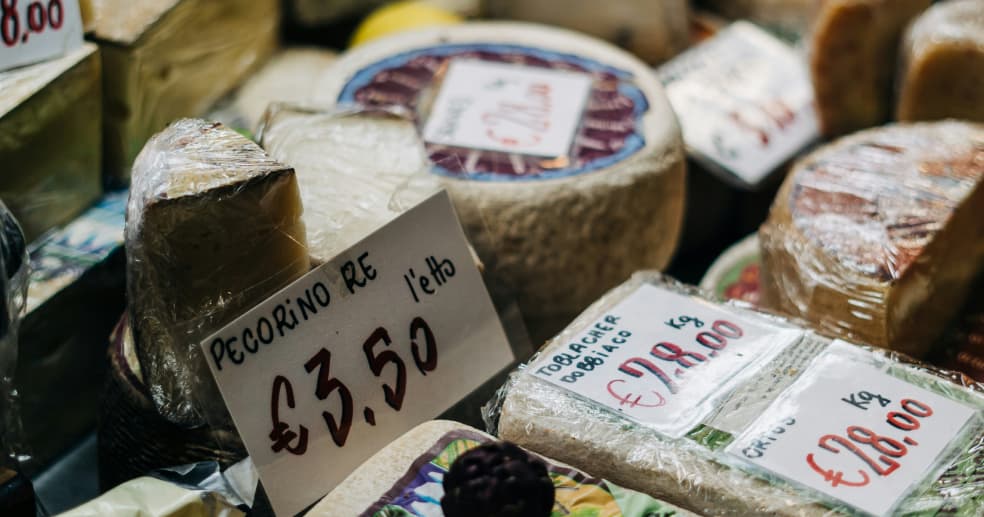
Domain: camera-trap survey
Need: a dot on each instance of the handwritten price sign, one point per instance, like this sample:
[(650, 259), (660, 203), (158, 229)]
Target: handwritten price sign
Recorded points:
[(335, 366), (853, 432), (35, 30), (658, 355)]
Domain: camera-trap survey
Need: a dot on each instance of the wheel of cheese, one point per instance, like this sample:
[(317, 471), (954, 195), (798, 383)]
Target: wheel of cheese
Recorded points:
[(877, 236), (943, 64), (559, 230)]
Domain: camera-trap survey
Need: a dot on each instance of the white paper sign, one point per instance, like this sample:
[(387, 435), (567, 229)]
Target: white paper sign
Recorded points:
[(36, 30), (744, 100), (508, 108), (334, 367), (850, 430), (660, 357)]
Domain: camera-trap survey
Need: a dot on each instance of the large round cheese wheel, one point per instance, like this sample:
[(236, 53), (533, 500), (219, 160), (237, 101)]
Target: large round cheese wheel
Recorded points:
[(562, 229)]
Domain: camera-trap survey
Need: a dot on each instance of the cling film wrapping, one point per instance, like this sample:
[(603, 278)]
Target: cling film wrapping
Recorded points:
[(876, 237), (13, 293), (738, 378)]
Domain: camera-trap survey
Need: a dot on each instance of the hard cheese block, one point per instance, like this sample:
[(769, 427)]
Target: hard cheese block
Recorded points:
[(213, 227), (720, 414), (165, 59), (55, 104), (943, 64), (561, 153), (877, 236), (853, 54), (405, 478)]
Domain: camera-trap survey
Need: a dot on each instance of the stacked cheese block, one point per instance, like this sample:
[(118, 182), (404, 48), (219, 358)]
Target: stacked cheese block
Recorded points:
[(879, 235), (717, 416), (55, 104), (558, 215), (165, 59)]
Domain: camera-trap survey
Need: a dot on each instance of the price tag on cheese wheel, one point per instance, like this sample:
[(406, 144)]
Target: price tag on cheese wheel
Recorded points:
[(660, 357), (332, 368), (37, 30), (853, 432)]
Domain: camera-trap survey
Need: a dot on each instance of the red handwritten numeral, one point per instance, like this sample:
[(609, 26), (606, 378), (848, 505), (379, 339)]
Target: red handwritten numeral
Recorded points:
[(51, 14), (674, 353), (836, 478), (9, 22), (627, 368), (339, 429), (924, 410), (879, 469)]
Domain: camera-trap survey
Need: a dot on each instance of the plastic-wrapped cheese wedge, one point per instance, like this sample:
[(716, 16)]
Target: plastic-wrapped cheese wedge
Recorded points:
[(213, 227), (561, 153), (166, 59), (943, 64), (879, 235), (724, 411), (55, 104), (853, 55), (406, 478)]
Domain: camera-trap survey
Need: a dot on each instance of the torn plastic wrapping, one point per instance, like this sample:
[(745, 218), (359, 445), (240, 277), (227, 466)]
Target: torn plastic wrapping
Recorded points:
[(942, 64), (694, 470), (213, 227), (13, 288), (877, 236)]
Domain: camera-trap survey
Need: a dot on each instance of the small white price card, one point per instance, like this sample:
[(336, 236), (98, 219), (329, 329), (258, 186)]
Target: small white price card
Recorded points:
[(508, 108), (744, 100), (659, 357), (36, 30), (335, 366), (851, 431)]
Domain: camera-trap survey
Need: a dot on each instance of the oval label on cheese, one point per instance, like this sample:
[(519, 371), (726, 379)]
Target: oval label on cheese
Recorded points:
[(509, 112)]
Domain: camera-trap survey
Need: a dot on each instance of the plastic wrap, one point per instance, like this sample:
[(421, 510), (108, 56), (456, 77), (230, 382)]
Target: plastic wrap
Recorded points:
[(689, 461), (213, 227), (53, 104), (877, 236), (594, 193), (166, 59), (853, 54), (942, 69)]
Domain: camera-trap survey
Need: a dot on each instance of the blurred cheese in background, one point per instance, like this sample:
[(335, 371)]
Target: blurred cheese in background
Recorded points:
[(791, 18), (399, 17)]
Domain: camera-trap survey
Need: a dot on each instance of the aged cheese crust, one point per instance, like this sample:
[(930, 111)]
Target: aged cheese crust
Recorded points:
[(942, 72), (877, 236), (213, 227)]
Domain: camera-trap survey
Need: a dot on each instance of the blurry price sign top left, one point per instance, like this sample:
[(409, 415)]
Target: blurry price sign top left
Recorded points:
[(387, 335), (37, 30)]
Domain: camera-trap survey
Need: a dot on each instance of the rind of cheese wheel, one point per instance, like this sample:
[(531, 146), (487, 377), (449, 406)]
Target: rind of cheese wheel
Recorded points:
[(853, 55), (166, 59), (653, 31), (558, 235), (213, 227), (943, 64), (877, 236), (57, 102)]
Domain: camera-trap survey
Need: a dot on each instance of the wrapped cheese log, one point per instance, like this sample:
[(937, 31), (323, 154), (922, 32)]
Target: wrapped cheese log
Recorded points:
[(55, 104), (878, 236), (853, 54), (653, 31), (722, 411), (405, 478), (943, 64), (213, 227), (166, 59), (548, 141)]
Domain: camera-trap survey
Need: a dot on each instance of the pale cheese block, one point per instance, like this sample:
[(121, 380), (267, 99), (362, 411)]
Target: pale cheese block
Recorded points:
[(942, 73), (166, 59), (877, 236), (558, 229), (853, 54), (213, 227), (50, 123), (415, 463), (653, 31)]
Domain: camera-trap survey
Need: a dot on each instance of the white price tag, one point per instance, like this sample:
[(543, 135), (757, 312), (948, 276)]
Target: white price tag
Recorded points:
[(660, 357), (508, 108), (36, 30), (744, 100), (335, 366), (851, 431)]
